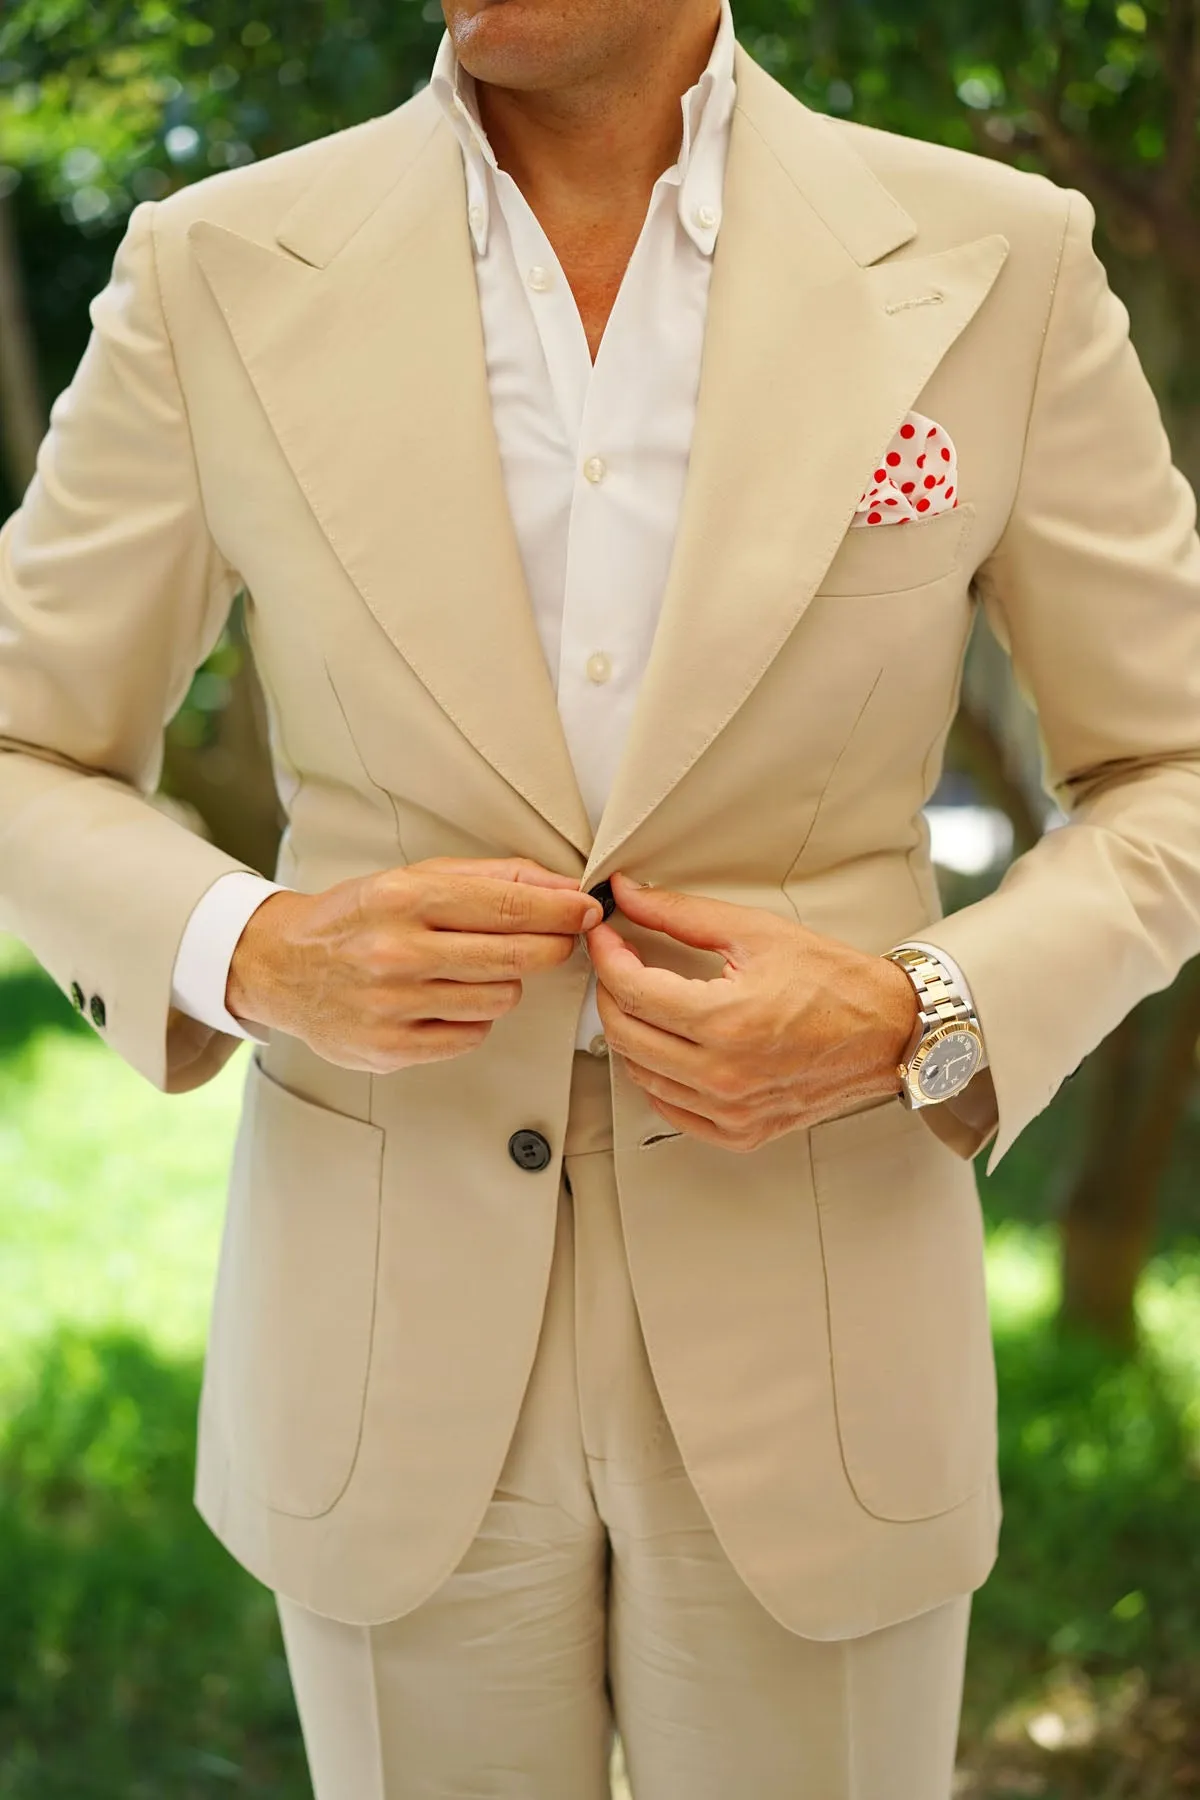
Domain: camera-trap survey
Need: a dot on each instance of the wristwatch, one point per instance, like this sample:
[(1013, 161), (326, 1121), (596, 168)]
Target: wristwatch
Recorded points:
[(946, 1049)]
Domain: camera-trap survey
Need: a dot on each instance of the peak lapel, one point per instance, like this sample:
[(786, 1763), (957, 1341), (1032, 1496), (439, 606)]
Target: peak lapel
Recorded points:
[(811, 361), (365, 347)]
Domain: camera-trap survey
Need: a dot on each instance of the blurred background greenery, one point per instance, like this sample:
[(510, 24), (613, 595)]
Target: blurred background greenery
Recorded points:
[(135, 1658)]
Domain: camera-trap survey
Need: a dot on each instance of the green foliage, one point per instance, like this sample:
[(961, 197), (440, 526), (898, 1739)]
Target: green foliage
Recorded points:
[(134, 1661), (109, 103), (924, 70)]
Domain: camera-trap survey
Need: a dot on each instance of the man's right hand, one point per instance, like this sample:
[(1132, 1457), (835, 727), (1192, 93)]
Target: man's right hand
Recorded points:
[(410, 966)]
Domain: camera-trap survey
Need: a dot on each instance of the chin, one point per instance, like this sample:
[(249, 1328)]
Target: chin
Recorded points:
[(516, 44)]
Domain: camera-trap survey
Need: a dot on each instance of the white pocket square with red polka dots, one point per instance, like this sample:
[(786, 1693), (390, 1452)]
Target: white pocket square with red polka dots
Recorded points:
[(916, 476)]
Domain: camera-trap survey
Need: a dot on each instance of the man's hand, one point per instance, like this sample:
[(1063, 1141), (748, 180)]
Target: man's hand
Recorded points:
[(797, 1028), (411, 966)]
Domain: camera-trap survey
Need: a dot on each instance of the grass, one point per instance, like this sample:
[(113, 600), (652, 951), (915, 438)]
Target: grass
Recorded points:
[(137, 1660)]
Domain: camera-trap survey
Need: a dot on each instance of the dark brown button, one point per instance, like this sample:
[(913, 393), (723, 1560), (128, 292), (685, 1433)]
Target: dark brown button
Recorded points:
[(98, 1012), (77, 999), (604, 894), (529, 1150)]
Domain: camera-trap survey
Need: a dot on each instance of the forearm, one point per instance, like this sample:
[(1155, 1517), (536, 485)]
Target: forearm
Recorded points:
[(1100, 913), (100, 884)]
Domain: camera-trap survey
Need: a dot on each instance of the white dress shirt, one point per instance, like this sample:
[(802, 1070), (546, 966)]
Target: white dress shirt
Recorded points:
[(594, 457)]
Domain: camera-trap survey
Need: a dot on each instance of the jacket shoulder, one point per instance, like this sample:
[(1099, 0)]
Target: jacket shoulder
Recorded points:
[(958, 194), (253, 198)]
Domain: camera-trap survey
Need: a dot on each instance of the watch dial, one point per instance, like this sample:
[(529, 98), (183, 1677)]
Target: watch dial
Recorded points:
[(950, 1065)]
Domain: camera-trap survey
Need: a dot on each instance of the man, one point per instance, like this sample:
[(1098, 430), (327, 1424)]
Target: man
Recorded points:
[(600, 1329)]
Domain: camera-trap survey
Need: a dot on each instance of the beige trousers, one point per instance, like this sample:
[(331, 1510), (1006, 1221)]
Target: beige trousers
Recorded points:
[(596, 1597)]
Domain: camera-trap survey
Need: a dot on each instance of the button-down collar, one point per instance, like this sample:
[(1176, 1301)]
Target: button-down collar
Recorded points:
[(699, 171)]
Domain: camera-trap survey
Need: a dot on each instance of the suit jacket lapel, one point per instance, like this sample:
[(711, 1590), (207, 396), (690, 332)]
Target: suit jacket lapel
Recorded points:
[(363, 340), (814, 352), (362, 336)]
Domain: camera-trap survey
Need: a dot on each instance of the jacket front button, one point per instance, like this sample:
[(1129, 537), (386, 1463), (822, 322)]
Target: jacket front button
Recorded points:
[(98, 1012), (604, 894), (77, 999), (529, 1149)]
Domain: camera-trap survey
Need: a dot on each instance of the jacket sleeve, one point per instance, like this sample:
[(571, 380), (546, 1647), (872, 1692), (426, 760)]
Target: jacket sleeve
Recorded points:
[(1094, 591), (111, 593)]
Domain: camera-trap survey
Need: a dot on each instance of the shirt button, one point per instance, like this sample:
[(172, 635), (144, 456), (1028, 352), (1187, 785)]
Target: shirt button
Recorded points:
[(595, 468), (705, 216), (476, 217), (599, 1045), (539, 278), (604, 894), (599, 667)]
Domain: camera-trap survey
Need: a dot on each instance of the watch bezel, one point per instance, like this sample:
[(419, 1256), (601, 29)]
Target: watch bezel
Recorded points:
[(911, 1070)]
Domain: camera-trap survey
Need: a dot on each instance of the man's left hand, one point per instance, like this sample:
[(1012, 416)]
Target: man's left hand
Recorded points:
[(796, 1029)]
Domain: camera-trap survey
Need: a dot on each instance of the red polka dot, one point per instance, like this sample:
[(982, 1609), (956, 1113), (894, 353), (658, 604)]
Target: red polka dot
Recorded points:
[(922, 506), (931, 481), (932, 432), (945, 455), (907, 431), (920, 462), (893, 457), (892, 502), (906, 487), (906, 520), (949, 491), (881, 474), (874, 518)]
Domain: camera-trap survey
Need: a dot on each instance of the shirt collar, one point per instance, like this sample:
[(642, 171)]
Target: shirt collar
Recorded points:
[(699, 171)]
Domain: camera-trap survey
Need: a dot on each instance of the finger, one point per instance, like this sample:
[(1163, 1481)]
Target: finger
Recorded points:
[(693, 1123), (665, 1052), (682, 1004), (457, 1001), (676, 1093), (507, 868), (691, 918), (493, 956), (487, 903), (696, 1125)]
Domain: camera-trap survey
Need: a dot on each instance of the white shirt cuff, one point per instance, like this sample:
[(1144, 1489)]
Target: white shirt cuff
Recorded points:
[(207, 946), (944, 957)]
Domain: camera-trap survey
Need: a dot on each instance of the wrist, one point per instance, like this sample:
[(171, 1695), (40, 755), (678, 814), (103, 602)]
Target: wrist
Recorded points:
[(257, 968), (900, 1013)]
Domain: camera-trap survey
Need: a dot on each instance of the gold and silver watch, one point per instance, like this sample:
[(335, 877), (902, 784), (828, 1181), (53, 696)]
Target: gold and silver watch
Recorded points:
[(946, 1049)]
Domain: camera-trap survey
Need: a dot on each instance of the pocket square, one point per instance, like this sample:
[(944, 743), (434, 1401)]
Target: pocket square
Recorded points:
[(916, 476)]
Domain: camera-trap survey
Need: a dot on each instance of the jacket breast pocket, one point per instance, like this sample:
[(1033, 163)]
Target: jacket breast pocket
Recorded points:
[(889, 559), (910, 1341), (293, 1313)]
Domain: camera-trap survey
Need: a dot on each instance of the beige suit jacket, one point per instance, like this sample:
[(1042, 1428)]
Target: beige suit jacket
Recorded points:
[(285, 389)]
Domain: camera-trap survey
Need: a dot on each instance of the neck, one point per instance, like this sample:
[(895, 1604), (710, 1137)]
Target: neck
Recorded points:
[(595, 150)]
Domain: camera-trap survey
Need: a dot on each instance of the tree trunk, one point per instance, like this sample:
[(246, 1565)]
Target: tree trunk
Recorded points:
[(22, 414), (1109, 1222), (1102, 1242)]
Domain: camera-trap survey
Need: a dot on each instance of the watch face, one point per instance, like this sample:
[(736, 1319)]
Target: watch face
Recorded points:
[(949, 1065)]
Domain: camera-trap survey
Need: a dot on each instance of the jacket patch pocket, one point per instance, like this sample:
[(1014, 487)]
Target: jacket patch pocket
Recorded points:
[(293, 1313), (890, 559), (913, 1369)]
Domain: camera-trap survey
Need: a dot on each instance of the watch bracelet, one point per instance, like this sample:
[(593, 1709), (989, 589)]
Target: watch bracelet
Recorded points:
[(939, 1001)]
